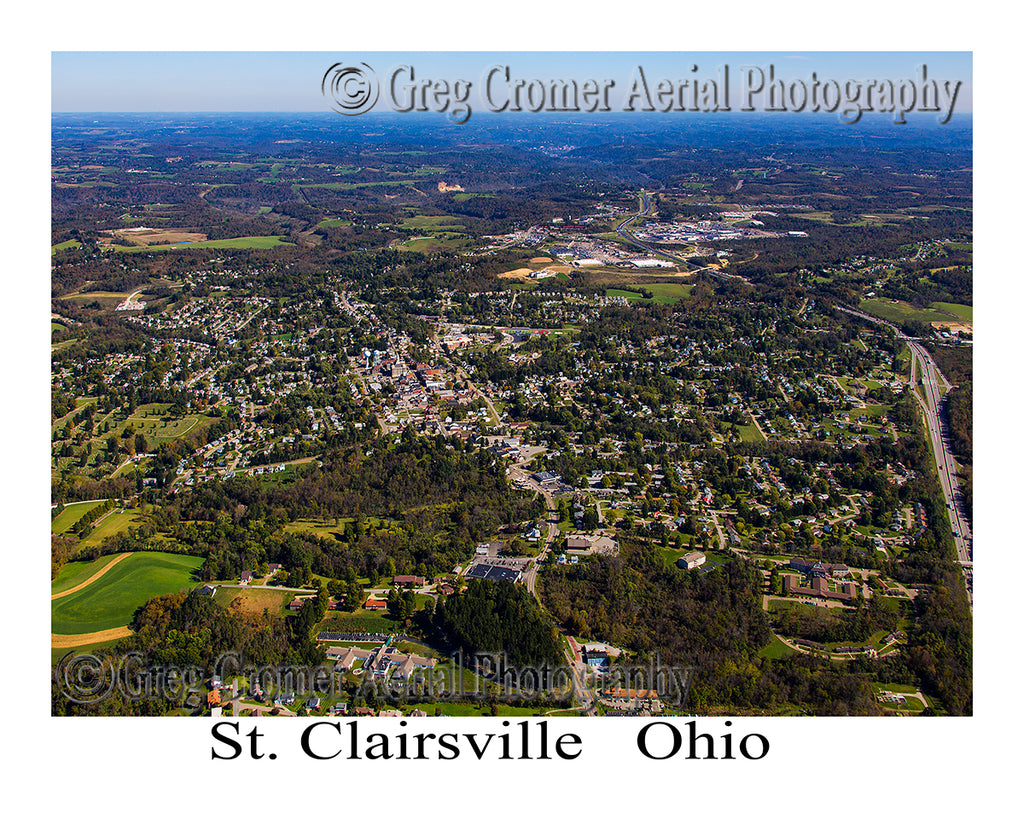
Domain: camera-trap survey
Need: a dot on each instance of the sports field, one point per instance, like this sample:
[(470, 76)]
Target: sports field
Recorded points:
[(110, 601)]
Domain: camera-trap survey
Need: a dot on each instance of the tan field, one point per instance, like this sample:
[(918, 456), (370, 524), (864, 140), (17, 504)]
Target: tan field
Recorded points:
[(953, 326), (73, 640), (151, 236), (540, 260)]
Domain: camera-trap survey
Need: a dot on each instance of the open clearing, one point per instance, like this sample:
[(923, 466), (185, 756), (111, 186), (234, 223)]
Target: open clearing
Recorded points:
[(153, 421), (91, 571), (965, 312), (663, 292), (899, 311), (518, 273), (110, 601), (109, 525), (241, 243), (150, 236), (70, 515), (257, 599)]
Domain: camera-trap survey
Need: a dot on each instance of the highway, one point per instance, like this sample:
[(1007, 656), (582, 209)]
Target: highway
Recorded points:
[(645, 210), (938, 431)]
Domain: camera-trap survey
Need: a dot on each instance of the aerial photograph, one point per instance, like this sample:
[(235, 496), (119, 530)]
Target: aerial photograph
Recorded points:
[(511, 385)]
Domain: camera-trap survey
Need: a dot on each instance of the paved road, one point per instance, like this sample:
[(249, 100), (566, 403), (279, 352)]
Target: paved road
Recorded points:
[(938, 430), (579, 669), (645, 209)]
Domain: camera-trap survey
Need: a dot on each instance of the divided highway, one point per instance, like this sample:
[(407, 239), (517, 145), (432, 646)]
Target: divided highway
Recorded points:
[(645, 209), (938, 431)]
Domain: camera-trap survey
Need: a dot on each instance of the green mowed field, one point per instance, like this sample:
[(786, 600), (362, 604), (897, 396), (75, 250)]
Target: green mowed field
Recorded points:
[(71, 574), (749, 433), (433, 244), (241, 243), (964, 311), (65, 246), (664, 292), (448, 223), (109, 525), (70, 515), (899, 311), (775, 650), (111, 600)]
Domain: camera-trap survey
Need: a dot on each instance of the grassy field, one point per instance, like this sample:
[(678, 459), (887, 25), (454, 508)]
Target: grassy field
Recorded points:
[(748, 433), (70, 515), (669, 292), (255, 600), (71, 574), (775, 650), (241, 243), (111, 600), (110, 525), (899, 311), (65, 246), (664, 292), (447, 223), (361, 620), (153, 422), (433, 244), (963, 311)]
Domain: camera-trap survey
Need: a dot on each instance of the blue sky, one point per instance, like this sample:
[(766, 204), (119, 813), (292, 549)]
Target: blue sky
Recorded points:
[(290, 81)]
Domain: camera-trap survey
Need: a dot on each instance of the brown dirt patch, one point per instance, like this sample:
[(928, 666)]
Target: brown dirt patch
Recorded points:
[(540, 260), (518, 273)]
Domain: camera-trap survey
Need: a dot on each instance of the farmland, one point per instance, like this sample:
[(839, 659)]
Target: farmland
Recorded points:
[(110, 601)]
